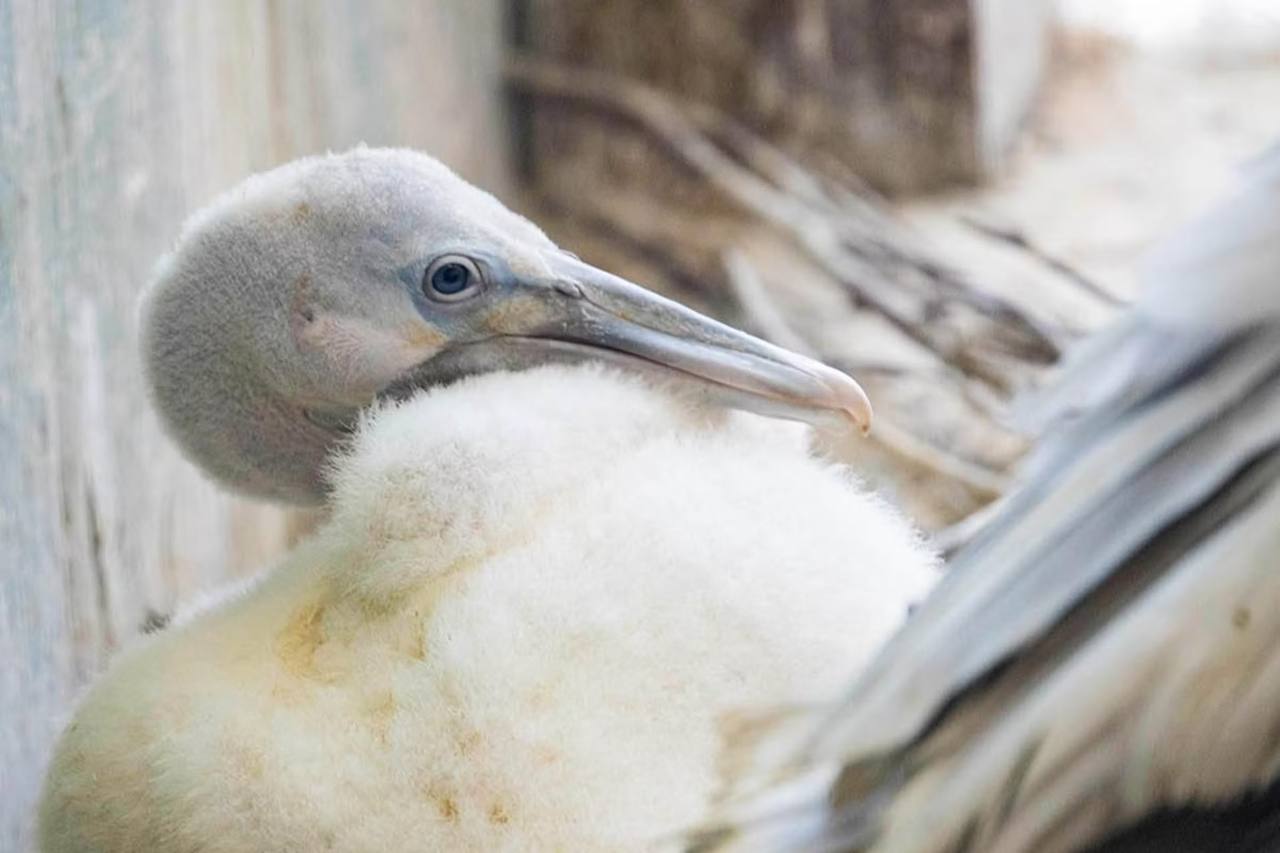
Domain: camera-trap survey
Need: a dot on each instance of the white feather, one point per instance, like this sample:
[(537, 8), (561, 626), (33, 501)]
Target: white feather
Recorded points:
[(539, 601)]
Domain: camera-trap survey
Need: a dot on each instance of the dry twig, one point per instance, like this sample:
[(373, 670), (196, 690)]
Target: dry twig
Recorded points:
[(881, 275), (982, 345), (1019, 241)]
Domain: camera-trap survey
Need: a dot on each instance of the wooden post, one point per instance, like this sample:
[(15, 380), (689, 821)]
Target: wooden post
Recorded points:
[(116, 120), (908, 94), (1010, 39)]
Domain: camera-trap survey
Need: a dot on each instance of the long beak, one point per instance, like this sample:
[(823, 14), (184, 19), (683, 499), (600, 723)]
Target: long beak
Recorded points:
[(585, 313), (613, 314)]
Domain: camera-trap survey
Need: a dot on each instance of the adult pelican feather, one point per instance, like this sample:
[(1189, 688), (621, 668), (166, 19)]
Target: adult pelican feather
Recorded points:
[(1106, 654)]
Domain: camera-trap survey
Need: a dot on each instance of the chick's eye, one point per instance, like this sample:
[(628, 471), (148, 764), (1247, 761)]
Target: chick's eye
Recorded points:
[(450, 278)]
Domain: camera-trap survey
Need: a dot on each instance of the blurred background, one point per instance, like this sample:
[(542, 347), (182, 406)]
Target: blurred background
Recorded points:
[(938, 196)]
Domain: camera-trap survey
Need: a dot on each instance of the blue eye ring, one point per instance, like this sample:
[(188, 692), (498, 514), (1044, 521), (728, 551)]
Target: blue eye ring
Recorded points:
[(451, 278)]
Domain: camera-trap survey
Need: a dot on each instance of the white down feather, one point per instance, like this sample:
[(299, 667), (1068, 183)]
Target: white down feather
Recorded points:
[(539, 602)]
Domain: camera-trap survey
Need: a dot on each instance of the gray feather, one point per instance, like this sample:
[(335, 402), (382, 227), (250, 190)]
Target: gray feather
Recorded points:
[(1026, 703)]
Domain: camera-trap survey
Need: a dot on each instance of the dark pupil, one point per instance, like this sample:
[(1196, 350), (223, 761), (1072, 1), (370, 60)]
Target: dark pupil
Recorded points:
[(450, 279)]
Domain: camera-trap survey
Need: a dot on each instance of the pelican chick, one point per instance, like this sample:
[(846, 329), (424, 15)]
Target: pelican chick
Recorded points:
[(539, 597), (301, 295)]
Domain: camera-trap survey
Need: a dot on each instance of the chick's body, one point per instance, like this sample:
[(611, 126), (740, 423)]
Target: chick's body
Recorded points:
[(539, 601)]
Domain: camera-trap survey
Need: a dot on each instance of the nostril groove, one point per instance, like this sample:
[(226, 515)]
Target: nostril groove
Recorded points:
[(568, 288)]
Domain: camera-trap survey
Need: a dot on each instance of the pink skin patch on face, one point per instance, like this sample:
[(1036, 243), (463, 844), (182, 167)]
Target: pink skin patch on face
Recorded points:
[(352, 359)]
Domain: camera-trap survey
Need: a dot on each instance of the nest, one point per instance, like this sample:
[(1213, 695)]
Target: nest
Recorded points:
[(793, 246)]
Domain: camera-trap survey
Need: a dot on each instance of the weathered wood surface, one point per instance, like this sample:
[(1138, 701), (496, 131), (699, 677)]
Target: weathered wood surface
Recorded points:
[(117, 119), (1012, 47), (907, 94)]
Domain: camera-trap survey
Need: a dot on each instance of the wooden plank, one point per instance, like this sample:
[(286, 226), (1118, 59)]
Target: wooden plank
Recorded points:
[(116, 120), (883, 87), (911, 95), (1012, 47)]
